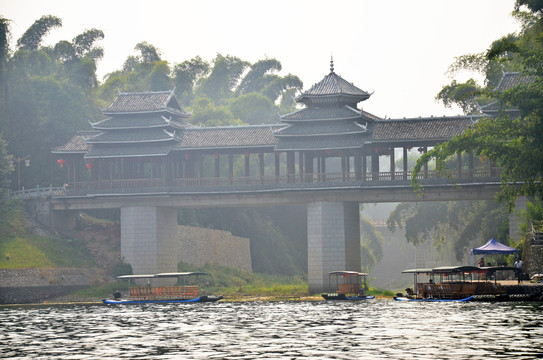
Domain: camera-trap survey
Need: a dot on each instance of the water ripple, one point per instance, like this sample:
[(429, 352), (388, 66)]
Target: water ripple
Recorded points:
[(378, 329)]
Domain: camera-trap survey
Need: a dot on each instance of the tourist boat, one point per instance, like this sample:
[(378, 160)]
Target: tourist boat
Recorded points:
[(459, 283), (150, 293), (350, 285)]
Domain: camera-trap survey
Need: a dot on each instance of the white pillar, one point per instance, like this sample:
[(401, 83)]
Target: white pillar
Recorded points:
[(333, 237), (149, 239)]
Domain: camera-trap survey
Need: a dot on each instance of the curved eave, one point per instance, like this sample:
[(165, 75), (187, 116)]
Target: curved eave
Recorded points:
[(328, 98), (169, 110), (68, 151), (125, 156), (291, 121), (224, 147), (165, 125), (321, 148), (130, 141), (322, 135)]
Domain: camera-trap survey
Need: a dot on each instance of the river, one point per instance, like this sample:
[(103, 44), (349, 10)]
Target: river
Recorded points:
[(374, 329)]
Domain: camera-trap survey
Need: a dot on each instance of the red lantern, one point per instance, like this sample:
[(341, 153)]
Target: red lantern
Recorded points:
[(89, 166), (61, 162)]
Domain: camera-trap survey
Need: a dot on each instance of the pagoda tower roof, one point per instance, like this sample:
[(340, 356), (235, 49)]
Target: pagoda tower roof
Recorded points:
[(333, 89), (146, 102)]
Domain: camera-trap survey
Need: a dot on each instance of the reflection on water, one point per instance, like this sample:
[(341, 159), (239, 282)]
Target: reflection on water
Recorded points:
[(376, 329)]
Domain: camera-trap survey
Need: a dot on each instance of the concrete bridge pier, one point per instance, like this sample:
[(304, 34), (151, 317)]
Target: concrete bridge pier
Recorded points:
[(333, 236), (149, 239)]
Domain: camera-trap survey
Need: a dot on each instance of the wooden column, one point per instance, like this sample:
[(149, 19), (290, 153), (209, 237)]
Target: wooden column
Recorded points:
[(261, 166), (277, 166), (358, 164), (247, 169), (291, 171), (405, 163), (375, 167), (392, 164), (459, 164), (217, 165), (230, 168)]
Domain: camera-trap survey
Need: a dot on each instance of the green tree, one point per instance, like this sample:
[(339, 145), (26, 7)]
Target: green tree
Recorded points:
[(225, 75), (187, 76), (33, 36), (254, 109), (515, 144), (460, 223)]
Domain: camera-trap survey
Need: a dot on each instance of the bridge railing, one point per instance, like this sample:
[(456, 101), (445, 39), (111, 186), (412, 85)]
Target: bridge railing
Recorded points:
[(160, 184), (37, 192)]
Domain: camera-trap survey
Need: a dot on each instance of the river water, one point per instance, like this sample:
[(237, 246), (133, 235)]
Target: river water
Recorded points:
[(374, 329)]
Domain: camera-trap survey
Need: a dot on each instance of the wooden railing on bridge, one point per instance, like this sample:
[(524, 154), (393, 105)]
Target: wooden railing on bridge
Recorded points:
[(159, 184), (37, 192)]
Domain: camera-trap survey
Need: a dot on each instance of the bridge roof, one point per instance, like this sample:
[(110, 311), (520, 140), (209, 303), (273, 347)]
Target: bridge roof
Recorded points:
[(77, 144), (351, 141), (132, 136), (432, 128), (512, 79), (322, 129), (130, 150), (228, 137)]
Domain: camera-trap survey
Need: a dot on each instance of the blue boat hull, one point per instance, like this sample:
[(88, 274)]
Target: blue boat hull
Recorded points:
[(200, 299), (345, 297), (433, 300)]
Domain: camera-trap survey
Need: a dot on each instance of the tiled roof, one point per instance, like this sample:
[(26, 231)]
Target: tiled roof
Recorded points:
[(145, 102), (321, 143), (77, 144), (130, 150), (433, 128), (512, 79), (227, 137), (493, 106), (314, 113), (131, 136), (325, 128), (333, 84)]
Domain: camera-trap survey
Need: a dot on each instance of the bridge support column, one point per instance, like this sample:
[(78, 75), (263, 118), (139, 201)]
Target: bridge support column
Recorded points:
[(333, 237), (149, 239), (514, 220)]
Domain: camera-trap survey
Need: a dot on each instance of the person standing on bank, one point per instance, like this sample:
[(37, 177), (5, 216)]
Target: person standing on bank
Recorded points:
[(518, 265)]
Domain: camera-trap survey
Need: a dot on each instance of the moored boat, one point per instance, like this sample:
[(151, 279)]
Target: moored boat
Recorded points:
[(460, 283), (151, 293), (349, 285)]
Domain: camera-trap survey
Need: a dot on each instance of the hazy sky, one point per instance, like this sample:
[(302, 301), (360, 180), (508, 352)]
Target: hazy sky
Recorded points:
[(398, 49)]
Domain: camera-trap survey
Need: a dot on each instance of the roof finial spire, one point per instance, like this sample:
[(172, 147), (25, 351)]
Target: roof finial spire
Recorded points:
[(331, 64)]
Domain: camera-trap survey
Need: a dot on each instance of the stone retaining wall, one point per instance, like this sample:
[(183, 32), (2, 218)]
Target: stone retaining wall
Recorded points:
[(198, 246), (534, 259), (21, 286)]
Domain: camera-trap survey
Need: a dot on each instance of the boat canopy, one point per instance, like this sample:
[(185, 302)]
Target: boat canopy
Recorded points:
[(340, 273), (161, 275), (448, 270), (456, 269), (417, 271)]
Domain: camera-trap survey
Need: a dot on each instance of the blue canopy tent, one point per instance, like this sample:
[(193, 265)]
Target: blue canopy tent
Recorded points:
[(493, 246)]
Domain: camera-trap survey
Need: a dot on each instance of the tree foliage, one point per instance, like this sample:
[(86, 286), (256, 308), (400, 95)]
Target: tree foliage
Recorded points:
[(460, 223), (513, 143), (33, 37)]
